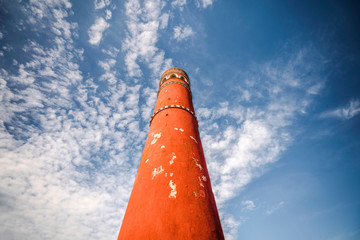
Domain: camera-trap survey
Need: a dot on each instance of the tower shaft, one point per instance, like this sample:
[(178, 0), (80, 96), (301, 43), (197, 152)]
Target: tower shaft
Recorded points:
[(172, 196)]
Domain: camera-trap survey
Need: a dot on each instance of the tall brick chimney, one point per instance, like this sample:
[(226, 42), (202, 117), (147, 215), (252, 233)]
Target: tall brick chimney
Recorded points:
[(172, 197)]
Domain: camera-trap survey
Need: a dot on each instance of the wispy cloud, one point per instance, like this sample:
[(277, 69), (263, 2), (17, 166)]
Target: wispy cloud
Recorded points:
[(240, 142), (111, 51), (96, 31), (108, 14), (143, 24), (345, 113), (243, 137), (99, 4), (65, 140), (182, 33), (248, 205), (179, 3), (204, 3), (275, 208), (230, 226)]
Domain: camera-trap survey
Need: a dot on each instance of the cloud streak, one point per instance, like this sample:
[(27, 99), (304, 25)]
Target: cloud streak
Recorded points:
[(345, 113), (65, 138), (275, 208), (179, 3), (248, 205), (182, 33), (204, 3), (143, 24), (96, 31), (99, 4), (255, 136)]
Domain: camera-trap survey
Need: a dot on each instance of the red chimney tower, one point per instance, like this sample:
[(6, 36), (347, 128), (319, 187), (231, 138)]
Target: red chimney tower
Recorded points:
[(172, 197)]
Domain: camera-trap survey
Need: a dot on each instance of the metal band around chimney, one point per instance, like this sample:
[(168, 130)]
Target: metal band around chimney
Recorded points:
[(173, 106), (174, 82), (177, 72), (165, 79)]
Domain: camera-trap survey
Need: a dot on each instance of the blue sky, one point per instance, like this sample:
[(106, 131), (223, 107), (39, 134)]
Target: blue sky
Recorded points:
[(276, 89)]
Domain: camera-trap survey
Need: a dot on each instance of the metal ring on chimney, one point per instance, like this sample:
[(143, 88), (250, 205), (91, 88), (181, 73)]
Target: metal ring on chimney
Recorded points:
[(167, 78), (174, 82), (173, 106), (177, 72)]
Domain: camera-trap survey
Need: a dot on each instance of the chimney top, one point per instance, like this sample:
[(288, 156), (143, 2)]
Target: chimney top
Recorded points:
[(175, 70)]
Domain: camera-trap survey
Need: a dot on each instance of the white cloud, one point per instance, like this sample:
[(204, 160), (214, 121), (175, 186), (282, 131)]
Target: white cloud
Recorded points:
[(108, 14), (110, 74), (112, 51), (96, 31), (179, 3), (164, 19), (245, 95), (345, 113), (106, 65), (204, 3), (68, 146), (275, 208), (230, 226), (248, 205), (182, 33), (241, 142), (143, 24), (150, 96), (99, 4), (59, 11), (316, 88)]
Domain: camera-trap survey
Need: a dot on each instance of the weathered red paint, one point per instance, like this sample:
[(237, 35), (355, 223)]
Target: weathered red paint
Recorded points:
[(172, 196)]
